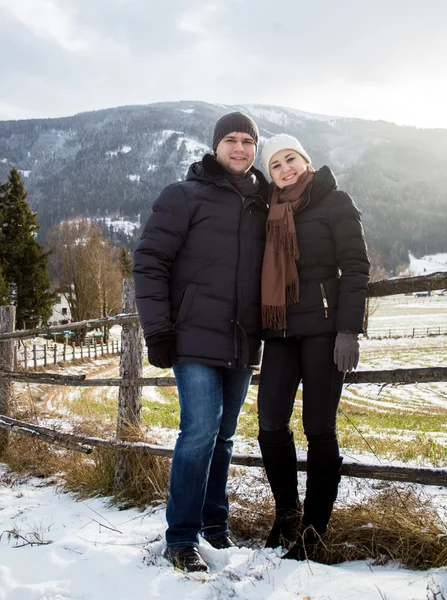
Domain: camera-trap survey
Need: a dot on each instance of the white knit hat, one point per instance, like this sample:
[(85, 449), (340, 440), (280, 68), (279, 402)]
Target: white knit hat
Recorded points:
[(278, 142)]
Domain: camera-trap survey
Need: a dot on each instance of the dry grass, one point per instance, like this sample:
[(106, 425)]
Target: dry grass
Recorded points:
[(252, 506), (90, 475), (148, 480), (27, 456), (392, 525)]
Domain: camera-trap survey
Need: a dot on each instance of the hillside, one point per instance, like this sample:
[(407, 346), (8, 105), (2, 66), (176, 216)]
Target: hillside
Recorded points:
[(111, 164)]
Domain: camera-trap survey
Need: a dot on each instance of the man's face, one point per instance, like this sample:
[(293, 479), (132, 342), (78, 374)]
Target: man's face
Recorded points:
[(236, 153)]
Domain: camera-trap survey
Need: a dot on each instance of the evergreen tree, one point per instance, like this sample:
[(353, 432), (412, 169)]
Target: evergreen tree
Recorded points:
[(4, 290), (5, 293), (125, 262), (23, 260)]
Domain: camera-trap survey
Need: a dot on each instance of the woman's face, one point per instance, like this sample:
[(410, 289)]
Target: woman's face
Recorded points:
[(286, 166)]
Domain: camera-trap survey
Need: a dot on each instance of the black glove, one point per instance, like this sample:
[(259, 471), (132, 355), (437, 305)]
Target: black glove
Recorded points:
[(161, 349), (346, 351)]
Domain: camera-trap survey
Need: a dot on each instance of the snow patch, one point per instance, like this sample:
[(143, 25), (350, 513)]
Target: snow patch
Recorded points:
[(283, 116), (4, 160), (194, 149), (24, 173), (270, 114), (122, 150), (127, 227), (431, 263), (133, 177), (188, 111), (82, 541)]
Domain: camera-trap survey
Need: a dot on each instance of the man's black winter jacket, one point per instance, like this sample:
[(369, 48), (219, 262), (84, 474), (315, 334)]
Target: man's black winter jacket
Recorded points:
[(197, 267)]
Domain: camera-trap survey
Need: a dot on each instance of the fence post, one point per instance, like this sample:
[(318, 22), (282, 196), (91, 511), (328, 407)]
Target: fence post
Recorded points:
[(45, 355), (129, 398), (25, 356), (82, 350), (7, 321), (64, 358), (73, 345), (55, 353), (16, 358), (35, 356)]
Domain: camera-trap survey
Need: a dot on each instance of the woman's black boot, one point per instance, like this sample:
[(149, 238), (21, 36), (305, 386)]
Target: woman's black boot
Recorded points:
[(279, 457), (323, 477), (285, 528)]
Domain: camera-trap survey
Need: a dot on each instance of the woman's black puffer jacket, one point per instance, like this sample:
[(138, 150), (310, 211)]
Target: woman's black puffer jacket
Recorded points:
[(333, 265)]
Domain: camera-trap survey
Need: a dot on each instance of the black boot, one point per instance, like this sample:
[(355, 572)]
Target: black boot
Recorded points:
[(285, 528), (279, 457), (304, 547), (323, 477), (186, 558)]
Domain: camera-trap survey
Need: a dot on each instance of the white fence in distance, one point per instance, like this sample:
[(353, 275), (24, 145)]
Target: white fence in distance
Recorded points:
[(42, 355)]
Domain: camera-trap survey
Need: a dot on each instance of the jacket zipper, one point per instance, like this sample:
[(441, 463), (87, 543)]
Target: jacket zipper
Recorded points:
[(243, 209), (325, 303), (236, 320)]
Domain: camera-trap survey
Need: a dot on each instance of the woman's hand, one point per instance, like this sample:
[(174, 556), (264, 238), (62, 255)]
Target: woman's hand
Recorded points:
[(346, 351)]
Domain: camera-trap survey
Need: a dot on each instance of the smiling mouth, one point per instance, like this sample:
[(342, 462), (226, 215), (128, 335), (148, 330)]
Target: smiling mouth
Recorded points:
[(289, 177)]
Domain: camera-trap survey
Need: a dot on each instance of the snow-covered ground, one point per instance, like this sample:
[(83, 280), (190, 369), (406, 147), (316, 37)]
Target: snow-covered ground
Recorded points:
[(53, 548), (432, 263), (402, 315)]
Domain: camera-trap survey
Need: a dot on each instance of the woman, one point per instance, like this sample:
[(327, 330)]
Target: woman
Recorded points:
[(314, 281)]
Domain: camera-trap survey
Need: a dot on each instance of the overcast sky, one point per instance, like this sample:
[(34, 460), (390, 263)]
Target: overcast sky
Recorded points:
[(373, 59)]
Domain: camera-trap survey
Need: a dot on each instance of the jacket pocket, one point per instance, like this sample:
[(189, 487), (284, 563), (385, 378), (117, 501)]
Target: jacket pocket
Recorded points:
[(324, 299), (185, 304)]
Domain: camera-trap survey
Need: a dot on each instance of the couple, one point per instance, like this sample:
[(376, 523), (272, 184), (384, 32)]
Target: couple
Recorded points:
[(221, 258)]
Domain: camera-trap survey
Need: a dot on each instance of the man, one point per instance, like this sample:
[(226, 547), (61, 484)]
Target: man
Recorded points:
[(197, 277)]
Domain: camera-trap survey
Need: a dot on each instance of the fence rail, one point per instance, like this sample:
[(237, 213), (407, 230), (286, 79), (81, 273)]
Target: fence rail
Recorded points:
[(382, 377), (130, 383), (385, 287)]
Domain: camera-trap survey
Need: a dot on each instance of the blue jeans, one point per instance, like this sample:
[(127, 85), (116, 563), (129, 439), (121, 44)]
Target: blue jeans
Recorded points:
[(211, 399)]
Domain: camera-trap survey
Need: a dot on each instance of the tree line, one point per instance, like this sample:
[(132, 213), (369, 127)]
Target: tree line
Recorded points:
[(78, 262)]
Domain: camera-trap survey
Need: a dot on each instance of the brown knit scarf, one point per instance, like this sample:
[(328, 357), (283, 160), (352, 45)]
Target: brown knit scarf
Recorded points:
[(280, 284)]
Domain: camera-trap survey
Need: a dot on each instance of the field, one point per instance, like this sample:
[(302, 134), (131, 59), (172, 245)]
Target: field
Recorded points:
[(377, 423)]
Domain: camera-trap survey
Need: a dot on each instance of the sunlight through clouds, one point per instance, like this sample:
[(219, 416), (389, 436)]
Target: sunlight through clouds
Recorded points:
[(45, 19)]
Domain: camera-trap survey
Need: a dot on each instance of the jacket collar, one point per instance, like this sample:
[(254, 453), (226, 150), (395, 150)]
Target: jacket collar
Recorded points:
[(209, 169)]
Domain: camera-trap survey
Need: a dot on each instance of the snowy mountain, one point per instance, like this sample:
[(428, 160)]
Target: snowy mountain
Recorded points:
[(112, 164)]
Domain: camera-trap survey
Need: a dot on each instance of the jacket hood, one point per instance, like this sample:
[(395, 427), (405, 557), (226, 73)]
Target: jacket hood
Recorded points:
[(322, 184), (208, 169)]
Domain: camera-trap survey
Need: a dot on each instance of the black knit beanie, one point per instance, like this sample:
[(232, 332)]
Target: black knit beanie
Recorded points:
[(235, 121)]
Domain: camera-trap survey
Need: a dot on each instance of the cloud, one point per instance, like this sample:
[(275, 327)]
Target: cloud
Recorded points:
[(75, 55)]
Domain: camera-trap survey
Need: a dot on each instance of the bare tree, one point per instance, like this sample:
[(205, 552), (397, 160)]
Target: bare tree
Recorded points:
[(378, 271), (107, 276), (84, 265)]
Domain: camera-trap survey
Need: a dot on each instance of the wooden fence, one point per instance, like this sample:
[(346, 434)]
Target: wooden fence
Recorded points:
[(130, 384), (45, 354), (404, 332)]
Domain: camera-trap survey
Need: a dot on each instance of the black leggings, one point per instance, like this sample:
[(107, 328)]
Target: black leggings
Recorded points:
[(286, 362)]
